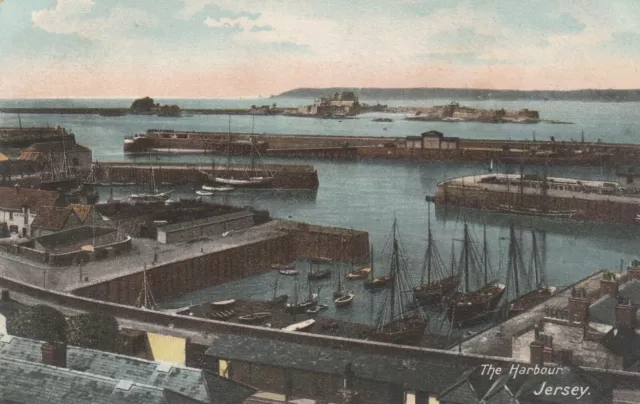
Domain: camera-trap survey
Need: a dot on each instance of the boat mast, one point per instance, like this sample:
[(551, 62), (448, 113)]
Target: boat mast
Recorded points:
[(485, 255), (394, 273), (229, 144), (513, 260), (465, 253), (253, 157), (535, 258), (426, 266), (453, 258)]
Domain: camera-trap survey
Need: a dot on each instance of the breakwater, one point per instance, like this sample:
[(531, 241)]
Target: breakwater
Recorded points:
[(431, 145), (119, 173), (562, 202)]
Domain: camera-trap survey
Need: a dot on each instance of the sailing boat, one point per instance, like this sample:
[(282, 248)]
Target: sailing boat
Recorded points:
[(434, 286), (249, 179), (317, 274), (154, 195), (342, 297), (300, 307), (467, 307), (396, 324), (541, 292), (377, 282), (361, 272)]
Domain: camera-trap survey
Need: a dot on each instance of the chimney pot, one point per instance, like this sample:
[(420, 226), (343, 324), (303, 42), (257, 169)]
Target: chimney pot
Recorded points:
[(625, 315), (54, 354), (536, 352), (608, 286)]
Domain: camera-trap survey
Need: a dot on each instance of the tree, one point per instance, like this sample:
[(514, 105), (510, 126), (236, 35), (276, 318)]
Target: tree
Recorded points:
[(93, 331), (39, 322)]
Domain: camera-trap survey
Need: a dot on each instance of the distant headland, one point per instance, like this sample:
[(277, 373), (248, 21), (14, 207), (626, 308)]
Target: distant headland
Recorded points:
[(467, 94)]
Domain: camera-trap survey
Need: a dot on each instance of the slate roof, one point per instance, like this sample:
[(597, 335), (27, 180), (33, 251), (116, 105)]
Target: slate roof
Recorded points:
[(603, 310), (191, 383), (12, 198), (51, 217), (623, 342), (413, 373), (34, 383), (626, 396), (9, 307)]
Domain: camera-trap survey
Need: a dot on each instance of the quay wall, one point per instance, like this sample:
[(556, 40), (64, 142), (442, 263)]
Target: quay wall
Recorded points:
[(286, 176), (290, 241), (606, 210), (449, 365)]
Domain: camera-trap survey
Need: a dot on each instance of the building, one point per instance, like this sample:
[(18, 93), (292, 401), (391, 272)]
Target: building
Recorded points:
[(629, 177), (432, 140), (59, 157), (36, 372), (214, 226), (76, 245), (51, 219), (18, 207), (595, 331)]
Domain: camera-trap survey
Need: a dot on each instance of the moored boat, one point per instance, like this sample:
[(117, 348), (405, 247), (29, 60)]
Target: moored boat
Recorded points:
[(317, 274), (284, 266), (374, 282), (466, 306), (345, 299), (224, 303), (216, 189), (303, 325), (289, 272), (203, 193), (434, 286), (396, 324), (540, 292), (360, 273)]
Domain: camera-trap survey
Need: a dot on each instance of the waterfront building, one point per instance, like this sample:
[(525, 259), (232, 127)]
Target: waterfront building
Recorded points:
[(18, 207), (432, 140)]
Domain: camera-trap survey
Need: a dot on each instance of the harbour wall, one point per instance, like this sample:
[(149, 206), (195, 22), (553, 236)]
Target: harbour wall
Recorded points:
[(286, 176), (289, 241), (611, 209)]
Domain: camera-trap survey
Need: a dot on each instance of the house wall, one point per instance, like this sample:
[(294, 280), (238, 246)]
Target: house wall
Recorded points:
[(431, 143), (79, 160), (631, 182), (205, 230), (17, 218)]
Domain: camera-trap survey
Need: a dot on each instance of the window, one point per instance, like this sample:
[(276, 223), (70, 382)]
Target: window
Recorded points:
[(10, 215)]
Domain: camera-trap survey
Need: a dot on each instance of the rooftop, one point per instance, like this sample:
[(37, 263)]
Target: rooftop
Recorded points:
[(51, 217), (208, 220), (14, 198), (89, 365)]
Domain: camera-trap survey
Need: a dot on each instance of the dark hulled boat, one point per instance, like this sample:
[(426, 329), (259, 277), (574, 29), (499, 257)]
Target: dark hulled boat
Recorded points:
[(396, 324), (378, 282), (317, 274), (540, 292), (467, 307), (434, 287)]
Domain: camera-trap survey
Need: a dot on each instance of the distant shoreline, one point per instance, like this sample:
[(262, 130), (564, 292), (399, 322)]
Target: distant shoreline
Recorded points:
[(466, 94)]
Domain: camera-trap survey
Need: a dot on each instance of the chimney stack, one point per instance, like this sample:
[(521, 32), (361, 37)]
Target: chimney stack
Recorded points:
[(608, 285), (536, 352), (633, 273), (54, 354), (565, 357), (578, 307), (625, 315), (4, 295)]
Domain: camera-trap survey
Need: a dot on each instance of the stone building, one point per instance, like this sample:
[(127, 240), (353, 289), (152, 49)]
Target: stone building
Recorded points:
[(51, 219), (18, 207)]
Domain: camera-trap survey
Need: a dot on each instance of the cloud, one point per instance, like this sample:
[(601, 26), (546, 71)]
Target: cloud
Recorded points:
[(73, 17)]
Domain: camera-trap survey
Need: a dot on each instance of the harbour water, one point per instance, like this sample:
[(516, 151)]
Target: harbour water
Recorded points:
[(368, 194)]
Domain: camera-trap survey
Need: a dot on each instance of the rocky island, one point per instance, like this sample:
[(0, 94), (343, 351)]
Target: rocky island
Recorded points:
[(454, 112)]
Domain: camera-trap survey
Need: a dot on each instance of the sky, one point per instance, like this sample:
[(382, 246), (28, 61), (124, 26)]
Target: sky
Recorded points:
[(235, 48)]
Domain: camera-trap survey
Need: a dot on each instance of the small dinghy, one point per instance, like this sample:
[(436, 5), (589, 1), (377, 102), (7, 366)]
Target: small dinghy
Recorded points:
[(300, 326), (203, 193), (359, 273), (289, 272), (345, 299), (224, 303), (313, 310), (254, 317), (216, 189)]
